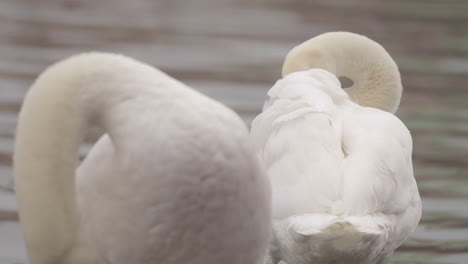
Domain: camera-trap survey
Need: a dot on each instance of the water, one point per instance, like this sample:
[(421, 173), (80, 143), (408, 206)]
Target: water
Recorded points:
[(233, 51)]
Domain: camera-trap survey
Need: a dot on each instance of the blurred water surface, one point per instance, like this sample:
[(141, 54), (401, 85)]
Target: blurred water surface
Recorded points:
[(233, 51)]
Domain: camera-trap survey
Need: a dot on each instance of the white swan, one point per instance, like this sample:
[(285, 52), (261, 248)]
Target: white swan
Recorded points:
[(342, 179), (173, 180)]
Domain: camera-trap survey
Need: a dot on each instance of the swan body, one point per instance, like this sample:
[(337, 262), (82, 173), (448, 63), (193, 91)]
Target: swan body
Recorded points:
[(343, 189), (172, 180)]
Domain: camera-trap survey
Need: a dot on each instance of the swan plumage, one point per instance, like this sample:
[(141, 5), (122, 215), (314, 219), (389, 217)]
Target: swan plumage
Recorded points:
[(172, 180), (343, 189)]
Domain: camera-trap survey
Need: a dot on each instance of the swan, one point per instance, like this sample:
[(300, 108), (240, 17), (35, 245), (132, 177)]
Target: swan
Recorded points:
[(338, 160), (172, 180)]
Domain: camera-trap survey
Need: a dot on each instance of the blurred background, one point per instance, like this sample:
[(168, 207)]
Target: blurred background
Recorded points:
[(233, 51)]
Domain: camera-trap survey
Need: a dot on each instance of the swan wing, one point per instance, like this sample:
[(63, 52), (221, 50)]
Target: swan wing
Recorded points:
[(297, 137), (378, 172)]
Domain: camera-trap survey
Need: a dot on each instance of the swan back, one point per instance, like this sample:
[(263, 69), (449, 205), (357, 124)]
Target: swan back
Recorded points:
[(298, 137)]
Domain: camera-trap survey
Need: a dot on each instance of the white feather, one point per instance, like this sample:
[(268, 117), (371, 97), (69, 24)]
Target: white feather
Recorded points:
[(172, 181), (341, 174)]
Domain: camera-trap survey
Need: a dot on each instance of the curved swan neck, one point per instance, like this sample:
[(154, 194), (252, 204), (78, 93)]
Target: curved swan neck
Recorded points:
[(46, 153), (63, 102), (376, 78)]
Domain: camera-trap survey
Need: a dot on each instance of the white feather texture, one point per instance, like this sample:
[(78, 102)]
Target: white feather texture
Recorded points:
[(173, 179), (342, 180)]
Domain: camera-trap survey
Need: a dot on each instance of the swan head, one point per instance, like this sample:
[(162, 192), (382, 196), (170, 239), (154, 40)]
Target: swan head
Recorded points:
[(375, 77)]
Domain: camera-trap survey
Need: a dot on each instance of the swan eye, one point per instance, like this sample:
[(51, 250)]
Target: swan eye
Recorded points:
[(346, 82)]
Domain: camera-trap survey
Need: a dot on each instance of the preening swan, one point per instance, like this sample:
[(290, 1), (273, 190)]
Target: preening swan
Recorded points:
[(340, 166), (172, 180)]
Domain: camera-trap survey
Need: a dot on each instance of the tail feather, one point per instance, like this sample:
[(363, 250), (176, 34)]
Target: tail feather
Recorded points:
[(331, 235), (313, 224)]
